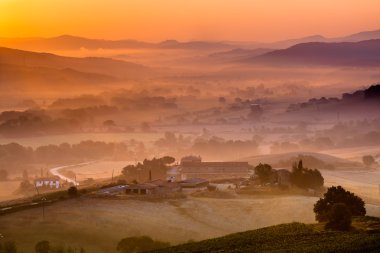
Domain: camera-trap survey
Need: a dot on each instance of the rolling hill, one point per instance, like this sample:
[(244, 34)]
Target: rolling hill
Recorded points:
[(294, 237), (359, 54), (103, 66), (69, 42), (275, 159)]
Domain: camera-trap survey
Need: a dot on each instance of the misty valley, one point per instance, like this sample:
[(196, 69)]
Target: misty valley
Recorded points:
[(198, 146)]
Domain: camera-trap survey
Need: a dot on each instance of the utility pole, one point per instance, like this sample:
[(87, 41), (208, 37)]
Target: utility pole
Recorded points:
[(43, 208)]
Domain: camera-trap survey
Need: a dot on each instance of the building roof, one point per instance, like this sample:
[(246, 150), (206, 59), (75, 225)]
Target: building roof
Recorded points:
[(191, 182), (215, 164), (113, 189), (53, 178), (141, 186)]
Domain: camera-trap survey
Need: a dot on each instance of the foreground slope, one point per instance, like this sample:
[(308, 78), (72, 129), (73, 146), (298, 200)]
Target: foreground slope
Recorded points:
[(294, 237)]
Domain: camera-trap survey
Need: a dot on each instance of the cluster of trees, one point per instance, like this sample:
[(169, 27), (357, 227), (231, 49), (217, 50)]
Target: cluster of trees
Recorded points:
[(337, 207), (300, 177), (7, 246), (46, 247), (36, 124), (15, 157), (305, 178), (264, 172), (308, 161), (369, 160), (149, 169), (217, 148), (140, 244), (144, 102)]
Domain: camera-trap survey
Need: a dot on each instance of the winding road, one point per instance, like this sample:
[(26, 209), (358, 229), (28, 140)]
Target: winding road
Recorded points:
[(55, 171)]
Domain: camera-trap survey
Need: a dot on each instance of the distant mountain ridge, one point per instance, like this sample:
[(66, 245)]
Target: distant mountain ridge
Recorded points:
[(104, 66), (360, 54), (69, 42)]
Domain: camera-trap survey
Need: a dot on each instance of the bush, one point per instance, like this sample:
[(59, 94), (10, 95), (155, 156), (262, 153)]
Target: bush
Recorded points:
[(42, 247), (368, 160), (335, 195), (72, 192), (339, 217), (306, 178), (139, 244), (8, 247), (3, 175), (264, 172)]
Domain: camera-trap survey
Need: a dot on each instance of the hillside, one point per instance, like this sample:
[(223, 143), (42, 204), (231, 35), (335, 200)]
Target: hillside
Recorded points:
[(69, 42), (280, 158), (294, 237), (104, 66), (364, 53)]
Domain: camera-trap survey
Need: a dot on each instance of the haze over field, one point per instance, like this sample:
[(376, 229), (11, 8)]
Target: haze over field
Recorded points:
[(101, 100)]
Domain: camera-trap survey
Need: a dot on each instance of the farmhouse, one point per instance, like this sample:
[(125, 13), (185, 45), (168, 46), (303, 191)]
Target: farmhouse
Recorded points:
[(283, 177), (47, 182), (193, 167), (142, 189), (153, 187), (194, 184)]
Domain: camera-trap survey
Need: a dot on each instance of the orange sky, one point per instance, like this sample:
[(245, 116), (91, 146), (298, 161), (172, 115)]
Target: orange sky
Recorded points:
[(154, 20)]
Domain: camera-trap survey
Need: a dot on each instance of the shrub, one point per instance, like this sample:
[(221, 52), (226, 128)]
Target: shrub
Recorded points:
[(72, 192), (264, 172), (336, 195), (139, 244), (9, 247), (368, 160), (339, 217), (306, 178), (42, 247)]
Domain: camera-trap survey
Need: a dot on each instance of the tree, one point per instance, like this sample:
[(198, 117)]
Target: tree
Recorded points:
[(168, 159), (139, 244), (336, 195), (42, 247), (339, 217), (72, 192), (368, 160), (9, 247), (109, 123), (306, 178), (3, 175), (264, 172)]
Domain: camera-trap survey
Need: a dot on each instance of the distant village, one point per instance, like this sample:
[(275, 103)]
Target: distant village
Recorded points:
[(191, 175), (194, 175)]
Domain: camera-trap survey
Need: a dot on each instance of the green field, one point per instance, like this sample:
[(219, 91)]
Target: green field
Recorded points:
[(294, 237)]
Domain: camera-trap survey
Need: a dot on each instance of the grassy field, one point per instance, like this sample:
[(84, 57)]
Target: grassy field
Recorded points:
[(98, 224), (8, 189), (294, 237)]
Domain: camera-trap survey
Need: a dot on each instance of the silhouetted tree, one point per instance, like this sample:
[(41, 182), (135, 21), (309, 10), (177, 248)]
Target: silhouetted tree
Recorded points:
[(9, 247), (306, 178), (42, 247), (339, 217), (336, 195), (264, 172), (72, 192), (139, 244), (368, 160)]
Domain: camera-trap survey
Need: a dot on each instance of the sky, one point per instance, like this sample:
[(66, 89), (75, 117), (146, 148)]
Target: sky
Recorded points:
[(156, 20)]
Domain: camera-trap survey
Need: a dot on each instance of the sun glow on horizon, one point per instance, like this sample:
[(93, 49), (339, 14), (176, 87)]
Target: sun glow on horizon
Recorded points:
[(187, 20)]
